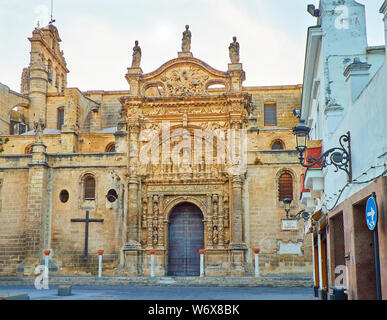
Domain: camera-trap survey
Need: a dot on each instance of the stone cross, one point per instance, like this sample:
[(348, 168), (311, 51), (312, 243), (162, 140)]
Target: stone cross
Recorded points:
[(87, 220)]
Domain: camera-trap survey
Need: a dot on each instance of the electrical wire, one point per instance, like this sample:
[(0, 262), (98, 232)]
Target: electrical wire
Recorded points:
[(354, 182)]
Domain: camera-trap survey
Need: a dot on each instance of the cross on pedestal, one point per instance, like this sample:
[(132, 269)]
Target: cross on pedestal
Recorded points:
[(87, 220)]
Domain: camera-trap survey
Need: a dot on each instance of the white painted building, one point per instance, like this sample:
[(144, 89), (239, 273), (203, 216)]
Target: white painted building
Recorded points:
[(345, 90)]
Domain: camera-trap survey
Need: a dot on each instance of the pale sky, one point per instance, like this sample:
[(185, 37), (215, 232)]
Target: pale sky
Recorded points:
[(98, 36)]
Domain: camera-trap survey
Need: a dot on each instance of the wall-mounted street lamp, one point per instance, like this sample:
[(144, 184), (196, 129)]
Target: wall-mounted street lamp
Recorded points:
[(340, 157), (313, 11), (302, 214)]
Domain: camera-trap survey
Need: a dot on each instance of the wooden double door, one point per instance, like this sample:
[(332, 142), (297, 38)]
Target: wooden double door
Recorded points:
[(185, 238)]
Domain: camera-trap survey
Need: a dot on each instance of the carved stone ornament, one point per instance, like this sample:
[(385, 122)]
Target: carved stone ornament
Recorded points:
[(186, 76), (185, 82)]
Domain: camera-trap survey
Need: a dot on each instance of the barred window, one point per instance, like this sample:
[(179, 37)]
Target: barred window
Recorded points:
[(89, 186), (285, 186), (270, 116)]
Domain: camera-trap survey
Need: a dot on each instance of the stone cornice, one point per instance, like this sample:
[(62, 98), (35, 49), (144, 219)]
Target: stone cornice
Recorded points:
[(179, 61), (222, 99)]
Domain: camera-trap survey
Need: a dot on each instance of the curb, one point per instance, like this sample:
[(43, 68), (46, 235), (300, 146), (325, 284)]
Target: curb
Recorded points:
[(165, 281)]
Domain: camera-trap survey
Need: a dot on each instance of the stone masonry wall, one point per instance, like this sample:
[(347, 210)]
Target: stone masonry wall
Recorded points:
[(13, 211)]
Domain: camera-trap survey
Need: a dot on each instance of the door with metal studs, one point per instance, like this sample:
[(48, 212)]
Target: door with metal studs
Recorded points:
[(185, 238)]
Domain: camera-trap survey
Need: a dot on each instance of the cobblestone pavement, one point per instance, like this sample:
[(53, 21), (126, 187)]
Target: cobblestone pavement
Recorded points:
[(163, 293)]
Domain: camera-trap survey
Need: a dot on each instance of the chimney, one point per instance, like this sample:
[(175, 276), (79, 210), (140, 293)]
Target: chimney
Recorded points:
[(383, 10), (357, 77)]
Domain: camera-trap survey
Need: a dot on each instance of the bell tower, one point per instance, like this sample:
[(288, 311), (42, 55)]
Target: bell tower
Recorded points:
[(47, 72)]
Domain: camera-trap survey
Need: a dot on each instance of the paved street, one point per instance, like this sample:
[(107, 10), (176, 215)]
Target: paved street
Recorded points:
[(164, 293)]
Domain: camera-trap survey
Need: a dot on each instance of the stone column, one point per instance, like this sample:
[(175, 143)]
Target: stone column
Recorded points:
[(132, 249), (237, 237), (37, 222), (133, 186), (238, 247)]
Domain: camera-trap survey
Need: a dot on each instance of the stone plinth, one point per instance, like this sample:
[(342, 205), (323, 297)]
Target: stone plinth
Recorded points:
[(184, 54)]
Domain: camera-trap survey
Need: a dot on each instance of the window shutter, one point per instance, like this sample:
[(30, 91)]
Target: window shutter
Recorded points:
[(89, 188), (285, 186), (270, 115)]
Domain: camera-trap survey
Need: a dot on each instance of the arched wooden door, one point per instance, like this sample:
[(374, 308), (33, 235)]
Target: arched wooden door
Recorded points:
[(185, 238)]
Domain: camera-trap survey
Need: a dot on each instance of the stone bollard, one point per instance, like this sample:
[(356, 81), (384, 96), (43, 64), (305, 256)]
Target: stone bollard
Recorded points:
[(64, 290), (152, 258), (256, 253), (100, 253), (202, 251)]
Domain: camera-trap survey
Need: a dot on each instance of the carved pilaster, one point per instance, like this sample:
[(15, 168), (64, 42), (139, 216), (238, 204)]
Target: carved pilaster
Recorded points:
[(134, 129), (149, 233), (209, 226), (144, 212), (133, 77), (133, 209), (237, 76), (226, 212), (161, 232), (237, 223)]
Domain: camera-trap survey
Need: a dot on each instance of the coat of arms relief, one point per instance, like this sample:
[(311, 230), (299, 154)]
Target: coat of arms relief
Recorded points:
[(184, 80)]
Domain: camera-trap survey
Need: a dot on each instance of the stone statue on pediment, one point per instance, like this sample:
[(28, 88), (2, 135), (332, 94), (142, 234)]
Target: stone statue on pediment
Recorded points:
[(234, 51), (186, 41), (136, 60)]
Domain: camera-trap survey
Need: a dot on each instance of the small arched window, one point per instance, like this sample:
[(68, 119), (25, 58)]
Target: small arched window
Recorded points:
[(111, 147), (28, 149), (277, 145), (89, 188), (285, 186)]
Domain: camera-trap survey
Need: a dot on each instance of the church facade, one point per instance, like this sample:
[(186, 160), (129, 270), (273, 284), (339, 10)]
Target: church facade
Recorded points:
[(186, 159)]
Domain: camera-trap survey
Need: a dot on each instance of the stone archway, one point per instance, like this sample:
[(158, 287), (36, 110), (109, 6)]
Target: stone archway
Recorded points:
[(185, 238)]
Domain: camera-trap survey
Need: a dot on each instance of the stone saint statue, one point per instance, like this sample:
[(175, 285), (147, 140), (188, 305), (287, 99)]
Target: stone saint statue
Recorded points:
[(38, 128), (155, 236), (234, 51), (136, 55), (215, 235), (186, 41)]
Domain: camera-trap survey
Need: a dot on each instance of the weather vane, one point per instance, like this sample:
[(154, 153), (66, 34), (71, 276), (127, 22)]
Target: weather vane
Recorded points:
[(52, 8)]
